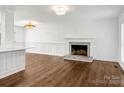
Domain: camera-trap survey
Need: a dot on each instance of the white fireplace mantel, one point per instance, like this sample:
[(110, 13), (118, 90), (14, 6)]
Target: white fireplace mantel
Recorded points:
[(83, 40), (86, 39)]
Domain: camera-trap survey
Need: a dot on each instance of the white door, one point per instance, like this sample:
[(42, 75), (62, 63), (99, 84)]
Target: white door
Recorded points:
[(122, 42)]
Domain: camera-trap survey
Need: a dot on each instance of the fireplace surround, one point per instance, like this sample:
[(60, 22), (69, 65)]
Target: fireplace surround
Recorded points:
[(89, 42), (80, 49)]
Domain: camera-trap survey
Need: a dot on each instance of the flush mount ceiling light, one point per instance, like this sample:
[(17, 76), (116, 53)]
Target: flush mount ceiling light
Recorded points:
[(60, 10), (29, 25)]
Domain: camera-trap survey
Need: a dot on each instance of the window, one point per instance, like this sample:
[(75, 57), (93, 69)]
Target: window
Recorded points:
[(122, 42)]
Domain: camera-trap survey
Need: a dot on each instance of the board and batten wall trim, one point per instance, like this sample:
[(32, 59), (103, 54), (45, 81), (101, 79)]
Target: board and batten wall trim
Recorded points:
[(54, 48), (49, 48), (11, 62)]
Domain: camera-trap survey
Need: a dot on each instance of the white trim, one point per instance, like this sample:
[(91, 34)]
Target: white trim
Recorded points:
[(52, 54), (122, 46), (83, 40), (46, 48), (122, 65)]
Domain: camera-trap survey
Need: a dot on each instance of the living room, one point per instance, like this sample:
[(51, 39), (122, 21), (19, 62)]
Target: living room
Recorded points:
[(68, 45)]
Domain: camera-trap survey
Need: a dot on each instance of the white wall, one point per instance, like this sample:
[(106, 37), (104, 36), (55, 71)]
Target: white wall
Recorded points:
[(19, 34), (7, 31), (52, 34)]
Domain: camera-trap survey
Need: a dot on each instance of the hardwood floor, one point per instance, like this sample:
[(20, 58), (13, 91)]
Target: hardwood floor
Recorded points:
[(50, 71), (8, 81)]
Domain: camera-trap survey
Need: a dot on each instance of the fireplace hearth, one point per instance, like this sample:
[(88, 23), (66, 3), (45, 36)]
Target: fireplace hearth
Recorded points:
[(79, 49)]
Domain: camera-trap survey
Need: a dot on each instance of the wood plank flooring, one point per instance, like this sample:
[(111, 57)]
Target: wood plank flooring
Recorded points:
[(52, 71), (8, 81)]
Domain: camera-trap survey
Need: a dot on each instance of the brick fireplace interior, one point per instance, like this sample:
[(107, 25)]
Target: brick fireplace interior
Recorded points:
[(79, 50)]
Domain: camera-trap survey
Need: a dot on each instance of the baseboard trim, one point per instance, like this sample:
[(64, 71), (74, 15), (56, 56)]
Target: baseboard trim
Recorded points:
[(63, 57), (122, 65), (116, 61), (46, 54)]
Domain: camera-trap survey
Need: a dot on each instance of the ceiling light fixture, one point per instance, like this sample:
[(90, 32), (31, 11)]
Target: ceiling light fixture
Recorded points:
[(29, 25), (60, 10)]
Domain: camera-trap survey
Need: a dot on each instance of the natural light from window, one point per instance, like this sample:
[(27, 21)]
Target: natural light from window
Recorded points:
[(122, 42)]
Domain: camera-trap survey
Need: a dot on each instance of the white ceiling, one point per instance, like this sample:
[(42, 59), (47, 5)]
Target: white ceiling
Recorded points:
[(44, 13)]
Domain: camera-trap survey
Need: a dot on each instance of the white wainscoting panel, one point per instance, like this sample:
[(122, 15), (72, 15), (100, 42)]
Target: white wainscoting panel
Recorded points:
[(47, 48), (11, 62)]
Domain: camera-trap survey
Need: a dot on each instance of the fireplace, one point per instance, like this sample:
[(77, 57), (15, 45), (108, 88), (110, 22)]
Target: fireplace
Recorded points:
[(79, 48)]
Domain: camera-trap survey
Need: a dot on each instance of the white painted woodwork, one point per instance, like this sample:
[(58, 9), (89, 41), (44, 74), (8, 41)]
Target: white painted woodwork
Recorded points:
[(11, 62), (7, 27), (47, 48), (91, 42), (121, 39)]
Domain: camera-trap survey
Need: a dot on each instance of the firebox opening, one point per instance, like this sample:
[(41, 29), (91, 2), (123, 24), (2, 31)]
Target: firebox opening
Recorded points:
[(79, 50)]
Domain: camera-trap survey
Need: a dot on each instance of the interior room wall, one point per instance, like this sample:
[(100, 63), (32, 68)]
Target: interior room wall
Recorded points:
[(48, 38), (19, 35)]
